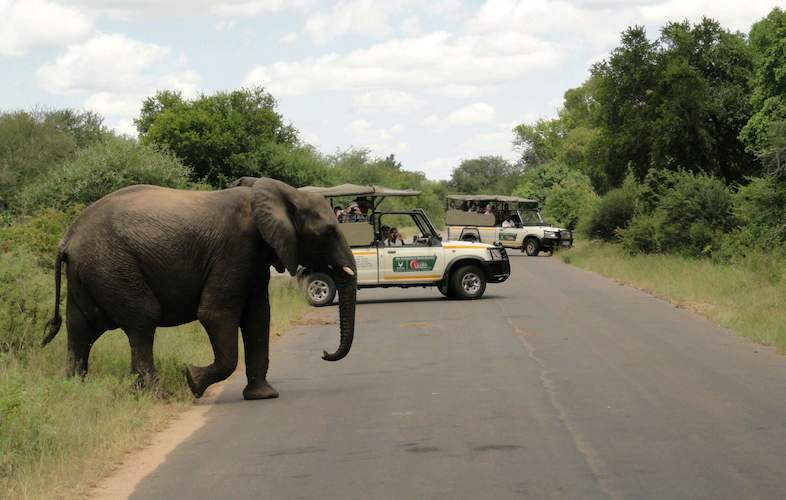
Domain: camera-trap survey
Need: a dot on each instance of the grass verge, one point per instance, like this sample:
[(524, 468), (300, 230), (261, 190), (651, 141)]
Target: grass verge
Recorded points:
[(747, 296), (58, 436)]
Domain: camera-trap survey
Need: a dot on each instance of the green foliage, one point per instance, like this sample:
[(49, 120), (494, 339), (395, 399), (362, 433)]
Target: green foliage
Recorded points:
[(539, 143), (225, 135), (33, 144), (613, 212), (760, 208), (566, 194), (102, 168), (26, 302), (683, 213), (485, 175), (768, 41)]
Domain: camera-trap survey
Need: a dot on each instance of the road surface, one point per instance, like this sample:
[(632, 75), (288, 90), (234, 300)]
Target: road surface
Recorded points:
[(557, 384)]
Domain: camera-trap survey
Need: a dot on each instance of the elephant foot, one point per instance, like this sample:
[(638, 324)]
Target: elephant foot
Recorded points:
[(261, 390), (194, 379)]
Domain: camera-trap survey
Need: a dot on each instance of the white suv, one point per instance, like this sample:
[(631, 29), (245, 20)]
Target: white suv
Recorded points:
[(459, 269)]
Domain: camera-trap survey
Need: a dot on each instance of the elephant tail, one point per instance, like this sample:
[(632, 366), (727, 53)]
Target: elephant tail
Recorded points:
[(54, 324)]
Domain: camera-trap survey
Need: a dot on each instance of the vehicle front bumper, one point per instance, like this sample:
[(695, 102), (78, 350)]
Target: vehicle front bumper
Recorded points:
[(497, 271), (557, 243)]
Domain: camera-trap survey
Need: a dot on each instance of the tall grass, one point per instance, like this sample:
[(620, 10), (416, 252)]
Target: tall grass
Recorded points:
[(747, 296)]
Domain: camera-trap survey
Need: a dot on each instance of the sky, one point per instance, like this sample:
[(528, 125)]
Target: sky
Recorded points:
[(432, 82)]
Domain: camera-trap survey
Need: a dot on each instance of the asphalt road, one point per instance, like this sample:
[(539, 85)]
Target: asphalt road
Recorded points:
[(557, 384)]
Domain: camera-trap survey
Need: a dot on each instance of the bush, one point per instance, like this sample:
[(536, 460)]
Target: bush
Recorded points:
[(101, 169), (761, 210), (26, 302), (570, 200), (642, 235), (613, 212)]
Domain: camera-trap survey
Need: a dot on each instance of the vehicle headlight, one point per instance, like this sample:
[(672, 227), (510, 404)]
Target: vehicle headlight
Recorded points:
[(496, 253), (550, 234)]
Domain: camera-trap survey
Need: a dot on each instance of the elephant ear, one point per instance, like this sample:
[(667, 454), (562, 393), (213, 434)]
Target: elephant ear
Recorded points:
[(274, 205)]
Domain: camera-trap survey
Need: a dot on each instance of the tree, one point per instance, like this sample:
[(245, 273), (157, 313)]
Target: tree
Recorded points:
[(33, 144), (768, 43), (223, 136), (485, 175)]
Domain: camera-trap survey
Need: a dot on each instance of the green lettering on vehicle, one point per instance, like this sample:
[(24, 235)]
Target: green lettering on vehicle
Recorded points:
[(507, 236), (414, 264)]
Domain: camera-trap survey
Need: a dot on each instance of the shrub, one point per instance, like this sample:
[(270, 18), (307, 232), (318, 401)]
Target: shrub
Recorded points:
[(761, 209), (570, 200), (613, 212), (26, 302), (101, 169), (694, 212), (642, 235)]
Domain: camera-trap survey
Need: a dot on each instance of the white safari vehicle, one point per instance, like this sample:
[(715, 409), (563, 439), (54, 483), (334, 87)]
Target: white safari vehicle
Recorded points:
[(513, 223), (459, 269)]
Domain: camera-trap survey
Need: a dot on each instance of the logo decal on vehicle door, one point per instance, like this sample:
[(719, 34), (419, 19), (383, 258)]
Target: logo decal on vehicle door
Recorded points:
[(414, 264), (507, 236)]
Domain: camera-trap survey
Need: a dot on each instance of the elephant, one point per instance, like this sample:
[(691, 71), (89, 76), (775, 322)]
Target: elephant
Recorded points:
[(145, 257)]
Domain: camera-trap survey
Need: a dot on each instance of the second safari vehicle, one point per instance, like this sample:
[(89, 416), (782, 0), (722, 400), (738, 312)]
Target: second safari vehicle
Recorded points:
[(458, 269)]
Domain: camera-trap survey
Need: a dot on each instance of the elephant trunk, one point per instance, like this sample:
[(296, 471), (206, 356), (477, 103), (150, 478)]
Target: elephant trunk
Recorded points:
[(347, 295)]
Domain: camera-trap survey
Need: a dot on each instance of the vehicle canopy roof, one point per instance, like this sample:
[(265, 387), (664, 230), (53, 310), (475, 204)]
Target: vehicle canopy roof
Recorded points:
[(491, 197), (370, 191)]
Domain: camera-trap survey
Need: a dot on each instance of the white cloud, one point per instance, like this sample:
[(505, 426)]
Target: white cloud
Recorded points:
[(289, 39), (104, 62), (25, 24), (430, 121), (365, 17), (381, 141), (434, 61), (111, 104), (125, 127), (134, 9), (388, 101), (439, 168), (472, 114), (410, 26)]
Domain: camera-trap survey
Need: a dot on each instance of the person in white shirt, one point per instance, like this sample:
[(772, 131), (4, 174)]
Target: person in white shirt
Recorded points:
[(507, 223), (394, 240)]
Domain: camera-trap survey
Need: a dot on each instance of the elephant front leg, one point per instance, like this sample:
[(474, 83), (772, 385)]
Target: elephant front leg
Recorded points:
[(255, 325)]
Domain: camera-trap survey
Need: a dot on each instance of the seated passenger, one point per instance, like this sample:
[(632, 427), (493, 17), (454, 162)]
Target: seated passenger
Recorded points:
[(339, 213), (385, 235), (508, 222), (394, 240)]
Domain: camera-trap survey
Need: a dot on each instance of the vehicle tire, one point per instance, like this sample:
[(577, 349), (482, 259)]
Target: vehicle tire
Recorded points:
[(468, 283), (532, 247), (320, 289)]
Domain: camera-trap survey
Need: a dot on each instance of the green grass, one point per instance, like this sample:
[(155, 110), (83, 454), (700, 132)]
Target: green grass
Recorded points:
[(58, 435), (747, 296)]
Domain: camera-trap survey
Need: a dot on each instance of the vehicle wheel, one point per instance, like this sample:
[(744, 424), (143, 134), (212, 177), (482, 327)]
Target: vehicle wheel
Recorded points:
[(468, 283), (320, 289), (532, 247)]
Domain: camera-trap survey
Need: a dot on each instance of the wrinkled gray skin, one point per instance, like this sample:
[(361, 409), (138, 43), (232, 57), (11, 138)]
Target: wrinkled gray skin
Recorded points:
[(145, 256)]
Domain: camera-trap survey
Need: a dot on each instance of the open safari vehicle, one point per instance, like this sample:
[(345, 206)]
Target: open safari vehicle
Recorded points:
[(458, 269), (511, 221)]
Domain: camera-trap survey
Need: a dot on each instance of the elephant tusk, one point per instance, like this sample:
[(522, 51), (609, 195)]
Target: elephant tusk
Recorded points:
[(348, 270)]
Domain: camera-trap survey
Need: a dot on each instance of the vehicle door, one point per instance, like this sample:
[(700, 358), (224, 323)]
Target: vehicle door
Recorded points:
[(420, 260), (361, 238)]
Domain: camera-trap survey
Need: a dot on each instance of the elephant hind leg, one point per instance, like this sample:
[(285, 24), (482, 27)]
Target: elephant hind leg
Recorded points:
[(140, 338), (222, 331), (81, 337)]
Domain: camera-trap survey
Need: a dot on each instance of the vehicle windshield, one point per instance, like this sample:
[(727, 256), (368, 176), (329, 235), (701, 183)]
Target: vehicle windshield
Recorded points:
[(530, 217), (405, 229)]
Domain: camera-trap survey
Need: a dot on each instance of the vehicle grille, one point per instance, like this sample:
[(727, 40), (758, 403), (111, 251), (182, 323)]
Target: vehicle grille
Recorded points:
[(566, 235)]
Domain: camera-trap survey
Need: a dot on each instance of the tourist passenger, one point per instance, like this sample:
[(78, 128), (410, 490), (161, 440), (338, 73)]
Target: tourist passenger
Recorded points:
[(385, 235), (394, 240), (339, 213), (508, 222)]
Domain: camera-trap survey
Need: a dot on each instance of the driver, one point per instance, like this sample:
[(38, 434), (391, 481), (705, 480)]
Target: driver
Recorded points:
[(508, 222)]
